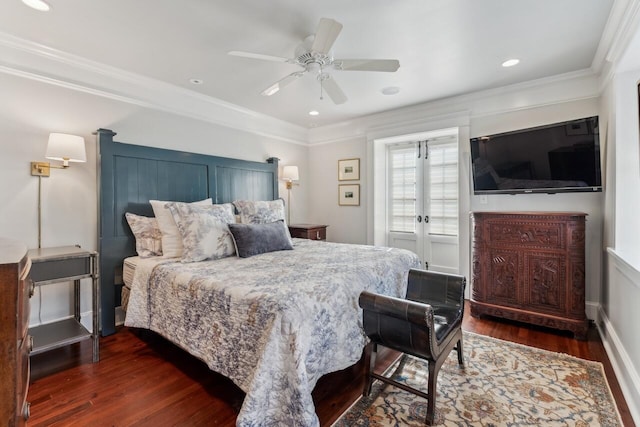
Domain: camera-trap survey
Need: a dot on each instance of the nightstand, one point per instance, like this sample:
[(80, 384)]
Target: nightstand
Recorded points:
[(308, 231), (62, 264)]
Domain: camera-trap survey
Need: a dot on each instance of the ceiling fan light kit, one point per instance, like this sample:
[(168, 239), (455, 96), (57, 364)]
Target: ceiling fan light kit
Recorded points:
[(315, 57)]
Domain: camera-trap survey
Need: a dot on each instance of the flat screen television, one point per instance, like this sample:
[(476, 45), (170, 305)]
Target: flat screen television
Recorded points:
[(560, 157)]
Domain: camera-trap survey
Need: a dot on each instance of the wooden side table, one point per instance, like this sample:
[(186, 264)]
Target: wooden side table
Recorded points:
[(61, 264), (308, 231)]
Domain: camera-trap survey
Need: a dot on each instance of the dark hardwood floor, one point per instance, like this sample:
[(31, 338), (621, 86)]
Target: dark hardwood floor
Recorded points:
[(142, 380)]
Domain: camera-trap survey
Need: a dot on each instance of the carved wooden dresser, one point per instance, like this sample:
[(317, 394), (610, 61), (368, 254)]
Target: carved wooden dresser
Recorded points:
[(15, 343), (530, 267)]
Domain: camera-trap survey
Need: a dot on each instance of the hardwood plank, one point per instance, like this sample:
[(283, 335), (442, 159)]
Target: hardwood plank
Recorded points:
[(143, 380)]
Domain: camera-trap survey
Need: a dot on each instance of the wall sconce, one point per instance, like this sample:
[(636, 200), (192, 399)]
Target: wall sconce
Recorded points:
[(289, 174), (65, 148)]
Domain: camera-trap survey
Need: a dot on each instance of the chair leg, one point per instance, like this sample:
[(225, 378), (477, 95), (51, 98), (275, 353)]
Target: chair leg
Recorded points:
[(370, 363), (431, 391), (460, 352)]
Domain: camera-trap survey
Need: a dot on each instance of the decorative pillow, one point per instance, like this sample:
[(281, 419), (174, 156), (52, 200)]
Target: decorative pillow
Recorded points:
[(261, 212), (204, 230), (147, 234), (254, 239), (171, 239)]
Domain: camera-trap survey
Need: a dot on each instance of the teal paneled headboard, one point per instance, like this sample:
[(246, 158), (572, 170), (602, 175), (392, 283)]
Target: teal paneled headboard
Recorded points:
[(131, 175)]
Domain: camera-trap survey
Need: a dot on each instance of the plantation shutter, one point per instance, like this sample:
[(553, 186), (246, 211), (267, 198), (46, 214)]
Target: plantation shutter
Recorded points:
[(402, 187), (443, 187)]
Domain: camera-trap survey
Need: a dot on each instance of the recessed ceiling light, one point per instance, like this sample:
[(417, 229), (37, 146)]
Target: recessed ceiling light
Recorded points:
[(313, 113), (40, 5), (391, 90), (196, 81), (510, 62)]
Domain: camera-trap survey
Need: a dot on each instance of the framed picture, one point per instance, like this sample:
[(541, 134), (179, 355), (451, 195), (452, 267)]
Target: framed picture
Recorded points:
[(349, 194), (577, 128), (349, 170)]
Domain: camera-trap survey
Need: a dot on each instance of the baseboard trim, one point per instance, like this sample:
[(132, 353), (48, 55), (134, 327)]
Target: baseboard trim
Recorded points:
[(592, 310), (625, 372), (119, 316)]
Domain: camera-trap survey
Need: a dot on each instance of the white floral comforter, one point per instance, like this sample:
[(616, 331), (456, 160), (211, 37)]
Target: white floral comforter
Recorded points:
[(273, 323)]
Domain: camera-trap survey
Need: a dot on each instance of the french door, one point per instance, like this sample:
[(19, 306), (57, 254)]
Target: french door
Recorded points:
[(422, 200)]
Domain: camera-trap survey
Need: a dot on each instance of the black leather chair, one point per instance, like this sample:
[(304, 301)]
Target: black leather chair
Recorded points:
[(427, 324)]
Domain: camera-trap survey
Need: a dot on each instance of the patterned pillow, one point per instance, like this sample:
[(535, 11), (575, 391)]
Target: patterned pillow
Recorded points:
[(171, 240), (260, 212), (204, 230), (254, 239), (147, 234)]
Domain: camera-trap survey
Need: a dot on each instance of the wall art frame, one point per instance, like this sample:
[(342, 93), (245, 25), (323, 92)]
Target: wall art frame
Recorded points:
[(349, 169), (349, 195)]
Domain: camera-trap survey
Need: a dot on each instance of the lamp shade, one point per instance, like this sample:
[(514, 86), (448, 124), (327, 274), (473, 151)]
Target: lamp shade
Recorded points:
[(290, 173), (67, 148)]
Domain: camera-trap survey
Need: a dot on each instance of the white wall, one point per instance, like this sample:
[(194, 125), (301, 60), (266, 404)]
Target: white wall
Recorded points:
[(627, 210), (347, 224), (619, 318), (30, 110)]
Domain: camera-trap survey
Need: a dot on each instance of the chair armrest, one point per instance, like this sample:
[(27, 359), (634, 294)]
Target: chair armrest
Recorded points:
[(410, 311)]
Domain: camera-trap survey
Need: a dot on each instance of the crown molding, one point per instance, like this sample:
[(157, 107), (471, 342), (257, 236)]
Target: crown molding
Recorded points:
[(617, 23), (568, 87), (26, 59), (625, 27)]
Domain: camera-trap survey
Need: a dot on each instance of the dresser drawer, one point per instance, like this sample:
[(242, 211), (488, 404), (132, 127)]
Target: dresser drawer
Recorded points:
[(54, 270), (308, 231), (547, 235)]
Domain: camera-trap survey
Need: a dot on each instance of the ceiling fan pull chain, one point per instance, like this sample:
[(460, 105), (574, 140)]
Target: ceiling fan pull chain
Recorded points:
[(321, 82)]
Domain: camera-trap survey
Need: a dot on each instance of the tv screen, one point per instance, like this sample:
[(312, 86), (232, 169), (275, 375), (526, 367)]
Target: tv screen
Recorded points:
[(560, 157)]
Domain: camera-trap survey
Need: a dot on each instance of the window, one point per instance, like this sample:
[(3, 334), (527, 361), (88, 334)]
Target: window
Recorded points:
[(402, 187), (440, 186), (443, 186)]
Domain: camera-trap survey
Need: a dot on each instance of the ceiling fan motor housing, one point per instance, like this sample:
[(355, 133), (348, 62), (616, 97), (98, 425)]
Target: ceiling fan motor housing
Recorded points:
[(304, 56)]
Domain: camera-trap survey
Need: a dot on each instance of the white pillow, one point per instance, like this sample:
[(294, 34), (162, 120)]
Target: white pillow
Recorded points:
[(204, 230), (171, 239)]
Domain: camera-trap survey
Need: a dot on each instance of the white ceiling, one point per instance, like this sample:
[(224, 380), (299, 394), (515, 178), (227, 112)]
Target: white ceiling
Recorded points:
[(445, 47)]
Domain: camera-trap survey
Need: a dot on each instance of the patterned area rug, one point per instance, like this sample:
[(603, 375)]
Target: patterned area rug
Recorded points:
[(502, 384)]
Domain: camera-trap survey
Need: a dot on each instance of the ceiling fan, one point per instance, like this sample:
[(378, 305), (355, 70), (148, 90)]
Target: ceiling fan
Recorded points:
[(314, 56)]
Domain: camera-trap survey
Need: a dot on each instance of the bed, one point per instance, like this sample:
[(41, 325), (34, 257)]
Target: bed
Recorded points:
[(273, 323)]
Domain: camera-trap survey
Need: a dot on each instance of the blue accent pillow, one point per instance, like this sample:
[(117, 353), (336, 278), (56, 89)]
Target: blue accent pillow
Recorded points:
[(254, 239)]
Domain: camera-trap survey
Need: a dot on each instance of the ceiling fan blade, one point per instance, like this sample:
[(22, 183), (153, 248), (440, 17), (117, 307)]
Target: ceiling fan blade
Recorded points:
[(326, 35), (282, 83), (333, 90), (388, 65), (258, 56)]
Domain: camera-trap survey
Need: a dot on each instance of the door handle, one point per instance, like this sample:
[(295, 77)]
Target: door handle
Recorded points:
[(426, 219), (419, 218)]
